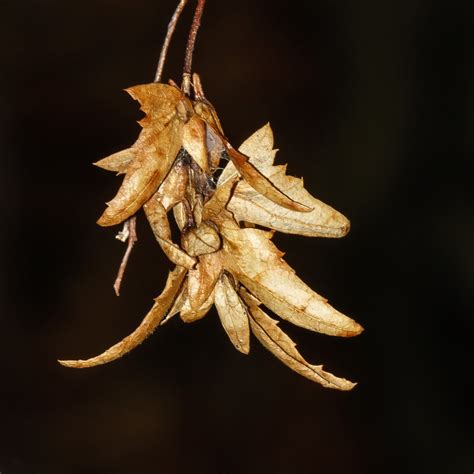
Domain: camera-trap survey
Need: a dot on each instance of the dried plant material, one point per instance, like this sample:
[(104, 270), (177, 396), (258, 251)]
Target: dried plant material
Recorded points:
[(248, 205), (178, 303), (203, 279), (195, 142), (156, 215), (252, 175), (181, 215), (204, 108), (183, 307), (147, 326), (173, 188), (128, 233), (215, 148), (190, 315), (196, 203), (233, 314), (261, 184), (148, 161), (202, 240), (221, 258), (266, 330), (158, 101), (253, 259), (118, 162), (258, 147), (144, 175), (323, 221)]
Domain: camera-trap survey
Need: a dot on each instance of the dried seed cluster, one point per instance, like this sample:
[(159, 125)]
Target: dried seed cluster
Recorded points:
[(222, 259)]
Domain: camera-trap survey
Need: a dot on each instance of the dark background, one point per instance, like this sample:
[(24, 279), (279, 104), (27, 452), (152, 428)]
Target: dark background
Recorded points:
[(372, 102)]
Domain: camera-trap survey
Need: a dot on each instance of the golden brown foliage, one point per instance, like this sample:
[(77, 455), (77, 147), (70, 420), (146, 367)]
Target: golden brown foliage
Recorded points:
[(222, 259)]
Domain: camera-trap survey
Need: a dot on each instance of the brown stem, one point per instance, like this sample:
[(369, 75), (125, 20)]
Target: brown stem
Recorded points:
[(188, 59), (169, 34), (129, 232)]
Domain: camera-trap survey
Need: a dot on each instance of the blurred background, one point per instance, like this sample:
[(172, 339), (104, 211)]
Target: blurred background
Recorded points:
[(373, 103)]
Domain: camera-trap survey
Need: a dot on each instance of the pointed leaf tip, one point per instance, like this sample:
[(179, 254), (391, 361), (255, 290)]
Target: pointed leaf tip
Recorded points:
[(154, 317)]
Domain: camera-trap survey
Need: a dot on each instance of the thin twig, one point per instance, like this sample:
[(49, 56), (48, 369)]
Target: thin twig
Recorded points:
[(129, 231), (169, 34), (188, 58)]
